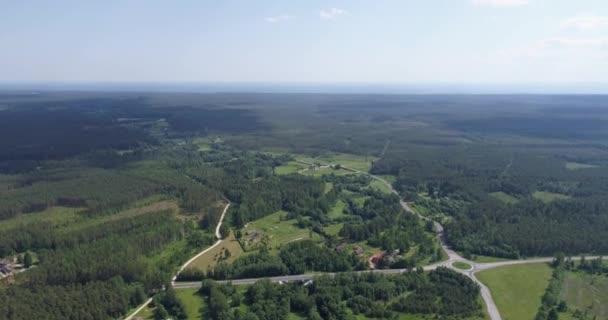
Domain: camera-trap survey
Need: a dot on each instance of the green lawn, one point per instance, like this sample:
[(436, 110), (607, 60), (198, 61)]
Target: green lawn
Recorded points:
[(517, 290), (586, 292), (578, 166), (328, 187), (549, 196), (192, 301), (504, 197)]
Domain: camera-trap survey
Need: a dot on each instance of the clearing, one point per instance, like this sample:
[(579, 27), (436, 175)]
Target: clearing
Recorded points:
[(504, 197), (517, 289), (274, 230)]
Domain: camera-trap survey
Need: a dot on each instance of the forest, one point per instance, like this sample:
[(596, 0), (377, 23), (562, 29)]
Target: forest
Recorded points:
[(440, 293), (108, 193)]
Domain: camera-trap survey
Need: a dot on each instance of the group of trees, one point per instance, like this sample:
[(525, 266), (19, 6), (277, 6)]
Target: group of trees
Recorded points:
[(294, 258), (442, 293)]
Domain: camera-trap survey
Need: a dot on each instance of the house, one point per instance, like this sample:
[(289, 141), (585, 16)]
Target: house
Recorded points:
[(341, 247), (376, 258), (4, 269), (358, 250)]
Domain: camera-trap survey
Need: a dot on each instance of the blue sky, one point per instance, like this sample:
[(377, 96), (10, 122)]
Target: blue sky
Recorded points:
[(448, 41)]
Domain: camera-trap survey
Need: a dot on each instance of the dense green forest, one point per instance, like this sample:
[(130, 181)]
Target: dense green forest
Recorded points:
[(111, 192)]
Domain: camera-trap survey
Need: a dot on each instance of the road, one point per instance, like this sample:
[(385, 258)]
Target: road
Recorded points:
[(219, 240)]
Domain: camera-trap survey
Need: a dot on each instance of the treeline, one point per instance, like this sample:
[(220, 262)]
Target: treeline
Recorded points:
[(442, 293), (294, 258)]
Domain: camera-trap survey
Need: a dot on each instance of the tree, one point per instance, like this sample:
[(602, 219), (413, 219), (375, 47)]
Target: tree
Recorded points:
[(160, 313), (27, 260), (238, 234), (559, 259), (553, 315)]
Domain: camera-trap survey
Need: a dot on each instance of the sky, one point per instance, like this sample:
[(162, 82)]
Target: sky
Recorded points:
[(379, 41)]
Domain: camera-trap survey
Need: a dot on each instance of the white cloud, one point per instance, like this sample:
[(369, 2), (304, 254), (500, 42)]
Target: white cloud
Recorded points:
[(585, 22), (331, 13), (279, 18), (499, 3)]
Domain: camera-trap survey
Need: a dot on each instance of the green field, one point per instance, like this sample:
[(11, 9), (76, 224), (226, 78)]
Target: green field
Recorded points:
[(504, 197), (517, 290), (277, 231), (587, 293), (549, 196), (578, 166)]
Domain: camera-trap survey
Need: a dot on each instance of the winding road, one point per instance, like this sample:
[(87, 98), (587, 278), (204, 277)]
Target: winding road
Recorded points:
[(173, 283)]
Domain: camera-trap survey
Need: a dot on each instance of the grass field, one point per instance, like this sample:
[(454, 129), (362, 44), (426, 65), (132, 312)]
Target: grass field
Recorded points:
[(328, 187), (504, 197), (333, 229), (278, 231), (289, 168), (578, 166), (375, 184), (517, 289), (549, 196), (337, 210), (215, 255), (357, 162), (586, 292), (192, 302)]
